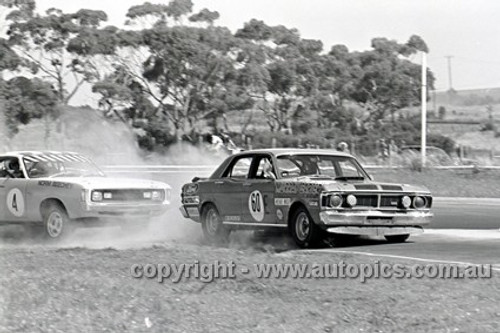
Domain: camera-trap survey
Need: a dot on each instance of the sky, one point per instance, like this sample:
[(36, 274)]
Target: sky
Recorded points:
[(467, 31)]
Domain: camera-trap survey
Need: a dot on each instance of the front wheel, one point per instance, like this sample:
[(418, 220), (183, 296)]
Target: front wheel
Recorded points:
[(211, 224), (303, 229), (397, 238), (56, 222)]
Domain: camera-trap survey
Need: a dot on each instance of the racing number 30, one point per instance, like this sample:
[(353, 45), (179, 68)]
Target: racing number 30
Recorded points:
[(256, 205)]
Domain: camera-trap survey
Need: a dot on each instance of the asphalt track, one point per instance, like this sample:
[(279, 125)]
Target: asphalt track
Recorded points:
[(464, 230)]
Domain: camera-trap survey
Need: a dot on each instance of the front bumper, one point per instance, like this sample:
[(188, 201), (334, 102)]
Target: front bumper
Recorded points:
[(190, 212), (367, 218), (375, 231), (125, 209)]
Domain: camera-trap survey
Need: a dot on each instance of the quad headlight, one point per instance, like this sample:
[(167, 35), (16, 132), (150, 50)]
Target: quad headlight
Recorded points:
[(406, 201), (351, 200), (96, 196), (335, 201), (419, 202)]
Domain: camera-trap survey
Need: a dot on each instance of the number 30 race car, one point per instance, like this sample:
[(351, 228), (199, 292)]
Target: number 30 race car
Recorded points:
[(62, 188), (313, 193)]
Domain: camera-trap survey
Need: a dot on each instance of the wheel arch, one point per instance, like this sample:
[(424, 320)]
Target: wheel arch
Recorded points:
[(48, 201), (293, 208)]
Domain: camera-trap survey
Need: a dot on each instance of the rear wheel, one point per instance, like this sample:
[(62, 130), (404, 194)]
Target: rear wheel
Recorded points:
[(303, 229), (397, 238), (56, 223), (213, 229)]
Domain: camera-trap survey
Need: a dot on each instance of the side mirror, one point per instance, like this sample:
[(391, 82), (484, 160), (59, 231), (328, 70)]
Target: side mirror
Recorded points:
[(195, 179)]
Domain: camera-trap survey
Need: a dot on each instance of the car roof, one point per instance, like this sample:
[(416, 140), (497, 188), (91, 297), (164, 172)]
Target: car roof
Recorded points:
[(296, 151), (48, 155)]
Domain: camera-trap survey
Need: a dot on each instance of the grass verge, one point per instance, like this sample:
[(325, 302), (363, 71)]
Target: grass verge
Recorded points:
[(77, 290)]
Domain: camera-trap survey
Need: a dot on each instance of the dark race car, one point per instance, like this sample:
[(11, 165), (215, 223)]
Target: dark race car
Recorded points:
[(313, 193)]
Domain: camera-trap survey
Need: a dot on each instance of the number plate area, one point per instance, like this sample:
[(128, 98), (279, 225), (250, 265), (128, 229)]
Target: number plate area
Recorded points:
[(372, 220)]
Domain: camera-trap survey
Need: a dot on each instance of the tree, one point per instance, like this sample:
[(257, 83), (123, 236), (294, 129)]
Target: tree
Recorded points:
[(387, 81), (27, 99), (43, 40)]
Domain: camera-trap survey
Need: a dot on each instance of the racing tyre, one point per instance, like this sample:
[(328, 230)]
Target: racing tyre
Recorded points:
[(213, 229), (397, 238), (304, 231), (56, 223)]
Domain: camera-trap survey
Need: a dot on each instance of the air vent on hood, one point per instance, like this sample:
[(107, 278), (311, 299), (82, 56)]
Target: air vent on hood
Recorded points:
[(392, 188), (366, 187)]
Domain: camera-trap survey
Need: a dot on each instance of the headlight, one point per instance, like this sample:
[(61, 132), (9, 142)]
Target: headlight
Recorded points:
[(156, 195), (351, 200), (96, 196), (419, 202), (335, 201), (190, 189), (406, 201)]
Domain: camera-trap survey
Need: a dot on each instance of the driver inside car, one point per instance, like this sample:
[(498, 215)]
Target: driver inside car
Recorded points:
[(13, 169), (267, 170)]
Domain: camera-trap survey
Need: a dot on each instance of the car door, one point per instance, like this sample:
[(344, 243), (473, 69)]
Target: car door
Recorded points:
[(12, 192), (258, 192), (228, 189)]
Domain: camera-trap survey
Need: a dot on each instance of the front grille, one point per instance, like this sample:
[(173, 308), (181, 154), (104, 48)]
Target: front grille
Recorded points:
[(390, 200), (131, 195), (366, 200)]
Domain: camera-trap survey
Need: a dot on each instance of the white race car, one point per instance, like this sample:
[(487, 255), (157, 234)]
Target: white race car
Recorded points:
[(60, 189)]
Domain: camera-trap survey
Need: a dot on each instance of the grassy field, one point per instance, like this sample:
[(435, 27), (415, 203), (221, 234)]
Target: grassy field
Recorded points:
[(83, 290)]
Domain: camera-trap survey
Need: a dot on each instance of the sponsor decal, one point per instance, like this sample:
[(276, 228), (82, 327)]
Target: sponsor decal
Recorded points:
[(15, 202), (286, 187), (282, 201), (279, 214), (256, 205), (54, 184), (232, 218), (313, 203)]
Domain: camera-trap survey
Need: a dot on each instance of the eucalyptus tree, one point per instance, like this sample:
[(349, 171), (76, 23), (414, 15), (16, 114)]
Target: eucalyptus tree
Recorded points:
[(42, 42)]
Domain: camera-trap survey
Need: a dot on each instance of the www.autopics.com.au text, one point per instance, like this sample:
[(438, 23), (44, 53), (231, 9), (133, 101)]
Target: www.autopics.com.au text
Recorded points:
[(208, 272)]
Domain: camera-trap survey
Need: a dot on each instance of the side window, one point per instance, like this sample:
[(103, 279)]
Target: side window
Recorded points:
[(10, 168), (265, 169), (240, 169), (286, 168)]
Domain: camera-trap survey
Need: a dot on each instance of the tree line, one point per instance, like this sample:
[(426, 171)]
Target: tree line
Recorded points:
[(170, 72)]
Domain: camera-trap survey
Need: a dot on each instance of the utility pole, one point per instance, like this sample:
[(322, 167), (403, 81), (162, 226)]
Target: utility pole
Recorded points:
[(450, 83), (423, 134)]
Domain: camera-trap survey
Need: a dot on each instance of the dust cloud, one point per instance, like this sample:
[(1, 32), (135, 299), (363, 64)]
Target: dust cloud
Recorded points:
[(109, 143)]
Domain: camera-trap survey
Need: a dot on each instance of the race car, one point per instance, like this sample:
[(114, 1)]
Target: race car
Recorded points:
[(312, 193), (60, 189)]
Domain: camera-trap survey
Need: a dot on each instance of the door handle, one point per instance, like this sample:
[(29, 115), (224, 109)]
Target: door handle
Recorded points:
[(247, 184), (219, 182)]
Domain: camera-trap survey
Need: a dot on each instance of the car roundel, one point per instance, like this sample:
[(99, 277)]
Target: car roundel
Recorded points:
[(256, 205), (15, 202)]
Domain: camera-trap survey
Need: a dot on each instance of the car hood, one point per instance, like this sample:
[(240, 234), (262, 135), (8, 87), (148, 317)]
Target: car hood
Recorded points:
[(365, 185), (108, 182)]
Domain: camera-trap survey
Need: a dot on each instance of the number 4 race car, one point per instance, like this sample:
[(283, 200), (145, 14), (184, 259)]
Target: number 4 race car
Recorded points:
[(313, 193), (62, 188)]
